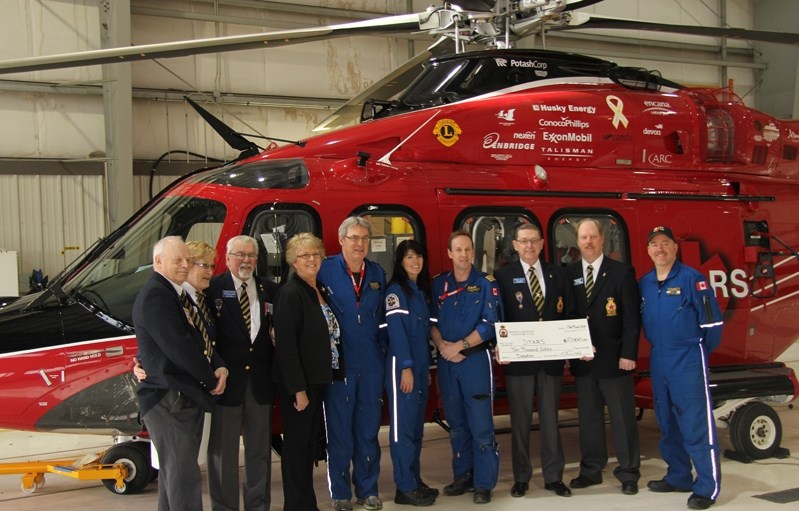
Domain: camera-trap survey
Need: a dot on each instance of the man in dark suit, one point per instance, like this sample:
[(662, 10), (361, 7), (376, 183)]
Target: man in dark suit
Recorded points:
[(606, 292), (533, 291), (241, 304), (180, 381)]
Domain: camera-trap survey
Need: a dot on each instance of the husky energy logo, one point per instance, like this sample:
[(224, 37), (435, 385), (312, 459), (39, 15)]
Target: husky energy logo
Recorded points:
[(447, 132)]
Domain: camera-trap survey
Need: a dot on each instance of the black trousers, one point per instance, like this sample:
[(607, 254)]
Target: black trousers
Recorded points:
[(300, 434)]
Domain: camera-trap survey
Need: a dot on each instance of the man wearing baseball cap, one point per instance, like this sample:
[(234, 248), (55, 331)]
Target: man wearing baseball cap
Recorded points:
[(682, 321)]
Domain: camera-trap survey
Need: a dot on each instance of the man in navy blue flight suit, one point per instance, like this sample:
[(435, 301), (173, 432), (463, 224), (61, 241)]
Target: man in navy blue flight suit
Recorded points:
[(355, 288), (463, 312), (682, 321)]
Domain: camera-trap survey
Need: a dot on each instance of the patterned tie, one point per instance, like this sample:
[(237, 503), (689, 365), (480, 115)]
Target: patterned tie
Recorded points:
[(589, 281), (535, 288), (197, 321), (244, 303)]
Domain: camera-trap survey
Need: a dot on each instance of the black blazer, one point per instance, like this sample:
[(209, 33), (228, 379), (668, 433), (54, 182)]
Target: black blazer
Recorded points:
[(513, 286), (170, 348), (614, 316), (244, 359), (302, 338)]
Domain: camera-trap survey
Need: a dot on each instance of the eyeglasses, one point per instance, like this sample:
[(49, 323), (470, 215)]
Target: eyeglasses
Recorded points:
[(356, 239), (529, 242), (242, 255), (206, 266), (305, 257)]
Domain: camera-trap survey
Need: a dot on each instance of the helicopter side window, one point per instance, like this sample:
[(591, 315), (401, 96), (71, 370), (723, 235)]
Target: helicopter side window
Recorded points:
[(390, 226), (491, 232), (272, 225), (565, 236)]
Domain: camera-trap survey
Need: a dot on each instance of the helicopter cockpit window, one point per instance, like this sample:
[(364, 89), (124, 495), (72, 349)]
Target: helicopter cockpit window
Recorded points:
[(492, 232), (273, 174), (272, 227), (113, 277), (565, 237)]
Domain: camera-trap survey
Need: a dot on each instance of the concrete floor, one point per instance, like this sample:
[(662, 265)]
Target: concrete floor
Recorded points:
[(740, 484)]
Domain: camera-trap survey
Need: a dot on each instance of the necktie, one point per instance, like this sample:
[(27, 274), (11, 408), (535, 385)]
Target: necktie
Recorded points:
[(535, 289), (244, 303), (197, 321), (589, 281)]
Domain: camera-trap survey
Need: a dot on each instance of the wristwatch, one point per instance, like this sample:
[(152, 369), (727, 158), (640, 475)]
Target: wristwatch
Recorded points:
[(465, 344)]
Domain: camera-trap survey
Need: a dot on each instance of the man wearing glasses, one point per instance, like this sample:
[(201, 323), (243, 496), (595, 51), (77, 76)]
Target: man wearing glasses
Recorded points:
[(241, 304), (355, 288), (532, 290)]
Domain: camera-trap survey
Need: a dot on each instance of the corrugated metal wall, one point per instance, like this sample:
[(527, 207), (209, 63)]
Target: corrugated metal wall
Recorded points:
[(49, 220)]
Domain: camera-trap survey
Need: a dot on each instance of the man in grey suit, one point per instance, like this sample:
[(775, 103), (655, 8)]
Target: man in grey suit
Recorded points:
[(181, 383), (241, 304), (533, 291)]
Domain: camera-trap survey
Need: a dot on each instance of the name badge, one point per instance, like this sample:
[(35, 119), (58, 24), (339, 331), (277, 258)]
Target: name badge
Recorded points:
[(229, 293), (578, 282), (673, 291), (520, 280)]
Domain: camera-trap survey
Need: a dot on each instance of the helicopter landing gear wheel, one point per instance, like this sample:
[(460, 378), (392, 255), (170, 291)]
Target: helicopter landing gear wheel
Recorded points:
[(756, 430), (135, 461)]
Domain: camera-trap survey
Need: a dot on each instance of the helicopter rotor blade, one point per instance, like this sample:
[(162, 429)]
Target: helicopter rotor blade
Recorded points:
[(228, 134), (403, 23), (386, 88), (583, 21)]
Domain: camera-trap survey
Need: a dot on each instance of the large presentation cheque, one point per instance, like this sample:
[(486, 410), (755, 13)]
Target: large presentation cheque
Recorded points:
[(521, 341)]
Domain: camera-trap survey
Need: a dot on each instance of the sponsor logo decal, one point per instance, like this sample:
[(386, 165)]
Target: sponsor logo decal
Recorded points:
[(506, 115), (564, 122), (616, 106), (557, 138), (575, 109), (493, 141), (447, 132)]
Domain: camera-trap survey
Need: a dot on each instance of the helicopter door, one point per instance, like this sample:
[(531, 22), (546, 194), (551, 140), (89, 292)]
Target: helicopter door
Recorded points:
[(565, 236), (272, 225), (390, 226), (491, 231)]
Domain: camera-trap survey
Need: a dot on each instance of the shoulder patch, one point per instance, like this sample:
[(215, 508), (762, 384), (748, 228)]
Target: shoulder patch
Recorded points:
[(490, 278), (701, 285), (392, 302)]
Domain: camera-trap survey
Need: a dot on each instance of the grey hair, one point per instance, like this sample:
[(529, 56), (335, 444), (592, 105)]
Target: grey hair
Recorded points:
[(599, 226), (352, 222), (161, 245), (241, 237)]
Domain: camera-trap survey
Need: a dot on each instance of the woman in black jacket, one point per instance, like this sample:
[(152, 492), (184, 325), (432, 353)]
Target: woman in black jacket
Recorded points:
[(307, 357)]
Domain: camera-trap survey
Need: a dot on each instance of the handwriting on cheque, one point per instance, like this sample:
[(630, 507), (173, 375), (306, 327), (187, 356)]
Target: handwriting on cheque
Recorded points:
[(543, 340)]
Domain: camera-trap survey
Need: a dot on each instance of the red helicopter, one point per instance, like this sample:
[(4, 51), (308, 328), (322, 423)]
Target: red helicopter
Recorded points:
[(478, 141)]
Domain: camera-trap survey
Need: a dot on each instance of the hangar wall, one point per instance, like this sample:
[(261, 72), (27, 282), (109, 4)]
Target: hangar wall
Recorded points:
[(56, 116)]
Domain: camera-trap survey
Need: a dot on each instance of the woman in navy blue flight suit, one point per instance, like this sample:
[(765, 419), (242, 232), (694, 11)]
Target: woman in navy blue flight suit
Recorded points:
[(407, 369)]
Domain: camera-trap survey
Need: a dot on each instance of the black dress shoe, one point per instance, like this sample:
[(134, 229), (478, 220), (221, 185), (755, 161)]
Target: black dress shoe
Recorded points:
[(460, 485), (481, 496), (699, 502), (414, 498), (519, 489), (629, 488), (580, 482), (560, 489), (663, 486), (433, 492)]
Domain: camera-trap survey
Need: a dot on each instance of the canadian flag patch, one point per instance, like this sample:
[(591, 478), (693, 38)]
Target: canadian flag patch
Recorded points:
[(701, 285)]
